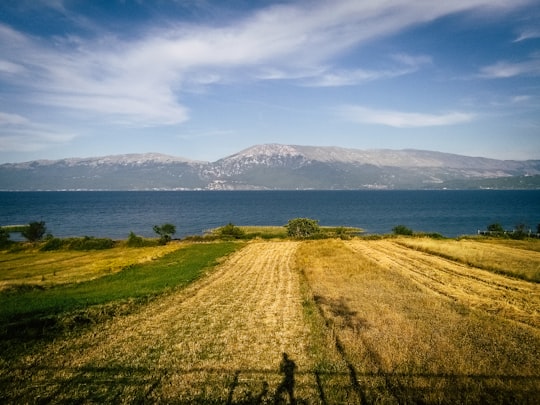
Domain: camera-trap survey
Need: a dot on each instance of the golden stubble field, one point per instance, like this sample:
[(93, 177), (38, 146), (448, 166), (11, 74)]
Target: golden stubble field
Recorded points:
[(420, 328), (55, 268), (363, 321)]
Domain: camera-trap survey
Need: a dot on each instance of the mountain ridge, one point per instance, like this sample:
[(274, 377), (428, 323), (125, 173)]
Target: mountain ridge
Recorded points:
[(128, 158), (273, 166)]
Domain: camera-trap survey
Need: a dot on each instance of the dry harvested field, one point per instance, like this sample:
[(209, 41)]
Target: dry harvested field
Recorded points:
[(363, 321), (221, 340), (518, 258), (472, 287), (54, 268), (419, 328)]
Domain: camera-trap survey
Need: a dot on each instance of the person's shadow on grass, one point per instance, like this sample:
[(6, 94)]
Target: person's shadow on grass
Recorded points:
[(287, 368)]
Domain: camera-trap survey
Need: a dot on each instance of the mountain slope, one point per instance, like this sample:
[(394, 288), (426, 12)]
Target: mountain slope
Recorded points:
[(275, 166), (122, 172)]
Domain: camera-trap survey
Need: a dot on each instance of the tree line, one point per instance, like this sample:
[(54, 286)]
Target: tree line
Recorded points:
[(297, 228), (37, 231)]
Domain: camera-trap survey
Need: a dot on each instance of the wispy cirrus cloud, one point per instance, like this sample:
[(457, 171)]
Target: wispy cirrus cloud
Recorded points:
[(400, 119), (140, 81), (506, 69), (528, 33), (7, 67), (404, 65), (20, 134), (8, 119)]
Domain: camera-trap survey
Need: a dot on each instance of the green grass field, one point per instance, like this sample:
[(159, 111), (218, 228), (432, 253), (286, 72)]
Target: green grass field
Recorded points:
[(26, 303)]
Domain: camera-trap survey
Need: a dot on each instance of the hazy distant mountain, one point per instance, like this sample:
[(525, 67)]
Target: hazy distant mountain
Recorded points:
[(122, 172), (275, 167)]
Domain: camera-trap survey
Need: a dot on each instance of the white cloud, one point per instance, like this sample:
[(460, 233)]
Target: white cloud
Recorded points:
[(285, 73), (20, 134), (10, 68), (414, 61), (139, 81), (351, 77), (407, 64), (505, 69), (520, 99), (8, 119), (529, 33), (400, 119), (506, 101)]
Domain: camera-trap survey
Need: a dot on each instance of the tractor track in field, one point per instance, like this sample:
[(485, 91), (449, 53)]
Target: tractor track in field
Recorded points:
[(496, 294)]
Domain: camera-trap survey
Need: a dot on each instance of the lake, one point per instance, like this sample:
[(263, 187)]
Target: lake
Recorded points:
[(114, 214)]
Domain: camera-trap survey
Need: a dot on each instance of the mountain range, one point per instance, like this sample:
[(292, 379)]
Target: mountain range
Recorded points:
[(274, 167)]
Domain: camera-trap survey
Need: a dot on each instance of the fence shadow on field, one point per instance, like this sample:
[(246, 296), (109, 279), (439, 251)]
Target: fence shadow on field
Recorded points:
[(252, 386)]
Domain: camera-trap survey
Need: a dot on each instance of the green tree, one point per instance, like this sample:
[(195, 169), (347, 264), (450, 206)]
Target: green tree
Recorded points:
[(497, 228), (303, 228), (34, 231), (165, 232), (402, 230)]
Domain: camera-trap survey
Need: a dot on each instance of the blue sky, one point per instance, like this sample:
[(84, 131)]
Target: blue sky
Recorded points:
[(204, 79)]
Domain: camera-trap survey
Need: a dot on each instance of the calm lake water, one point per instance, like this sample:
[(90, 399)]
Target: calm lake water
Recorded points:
[(115, 214)]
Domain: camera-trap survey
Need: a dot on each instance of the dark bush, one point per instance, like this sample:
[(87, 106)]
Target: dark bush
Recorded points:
[(520, 232), (496, 228), (91, 243), (52, 244), (86, 243), (342, 233), (432, 235), (134, 240), (230, 231), (4, 238), (138, 241), (402, 230)]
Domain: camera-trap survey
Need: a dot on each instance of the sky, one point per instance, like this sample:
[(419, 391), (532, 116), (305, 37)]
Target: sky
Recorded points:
[(203, 79)]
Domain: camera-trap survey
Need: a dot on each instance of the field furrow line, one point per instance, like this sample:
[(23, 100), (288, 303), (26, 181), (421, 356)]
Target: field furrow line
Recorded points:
[(512, 299), (466, 271)]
